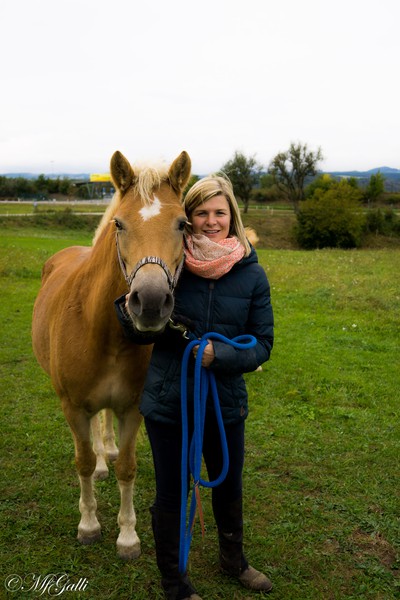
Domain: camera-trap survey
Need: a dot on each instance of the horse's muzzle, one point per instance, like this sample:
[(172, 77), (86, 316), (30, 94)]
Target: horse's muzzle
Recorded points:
[(150, 301)]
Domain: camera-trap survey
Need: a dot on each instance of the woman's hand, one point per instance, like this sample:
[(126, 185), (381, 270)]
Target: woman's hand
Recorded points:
[(208, 354)]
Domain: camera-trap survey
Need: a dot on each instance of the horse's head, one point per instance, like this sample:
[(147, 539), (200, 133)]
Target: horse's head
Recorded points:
[(149, 223)]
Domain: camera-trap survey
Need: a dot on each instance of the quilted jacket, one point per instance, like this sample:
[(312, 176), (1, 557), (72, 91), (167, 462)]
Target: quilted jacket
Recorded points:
[(238, 303)]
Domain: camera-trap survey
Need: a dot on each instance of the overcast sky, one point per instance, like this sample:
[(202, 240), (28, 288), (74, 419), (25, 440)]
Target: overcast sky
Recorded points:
[(81, 79)]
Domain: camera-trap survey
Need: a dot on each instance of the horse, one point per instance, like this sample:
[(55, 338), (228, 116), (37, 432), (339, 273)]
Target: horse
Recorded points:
[(137, 250)]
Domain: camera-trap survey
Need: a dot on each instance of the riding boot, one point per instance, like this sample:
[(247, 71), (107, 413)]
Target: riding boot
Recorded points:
[(229, 519), (166, 530)]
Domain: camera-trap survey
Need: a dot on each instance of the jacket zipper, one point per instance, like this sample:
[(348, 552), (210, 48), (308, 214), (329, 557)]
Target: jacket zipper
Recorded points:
[(210, 298)]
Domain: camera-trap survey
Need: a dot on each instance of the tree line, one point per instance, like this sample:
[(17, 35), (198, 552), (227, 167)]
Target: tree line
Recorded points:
[(43, 188), (329, 212), (290, 176), (39, 188)]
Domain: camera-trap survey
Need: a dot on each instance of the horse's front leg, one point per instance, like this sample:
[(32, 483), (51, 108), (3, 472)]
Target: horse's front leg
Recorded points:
[(128, 543), (89, 530)]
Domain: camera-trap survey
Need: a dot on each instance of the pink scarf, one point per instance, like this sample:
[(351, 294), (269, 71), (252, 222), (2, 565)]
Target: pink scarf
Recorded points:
[(210, 259)]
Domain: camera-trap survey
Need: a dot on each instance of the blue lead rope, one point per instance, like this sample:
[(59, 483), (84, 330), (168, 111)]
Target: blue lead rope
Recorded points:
[(204, 379)]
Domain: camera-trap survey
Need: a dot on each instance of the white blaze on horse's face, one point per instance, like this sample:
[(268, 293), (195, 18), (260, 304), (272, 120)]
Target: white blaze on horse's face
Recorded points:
[(147, 212)]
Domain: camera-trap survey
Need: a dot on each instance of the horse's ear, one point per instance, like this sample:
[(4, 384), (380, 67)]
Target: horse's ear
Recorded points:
[(121, 171), (179, 172)]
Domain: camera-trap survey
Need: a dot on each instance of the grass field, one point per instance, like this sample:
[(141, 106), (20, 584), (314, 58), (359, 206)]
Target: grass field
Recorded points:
[(32, 208), (322, 454)]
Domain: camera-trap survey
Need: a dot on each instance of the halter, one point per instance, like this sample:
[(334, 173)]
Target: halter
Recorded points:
[(153, 260)]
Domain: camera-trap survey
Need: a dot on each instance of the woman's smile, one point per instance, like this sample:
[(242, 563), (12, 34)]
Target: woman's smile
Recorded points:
[(212, 218)]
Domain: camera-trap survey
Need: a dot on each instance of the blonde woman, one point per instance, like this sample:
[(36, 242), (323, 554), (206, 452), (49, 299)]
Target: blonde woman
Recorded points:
[(222, 289)]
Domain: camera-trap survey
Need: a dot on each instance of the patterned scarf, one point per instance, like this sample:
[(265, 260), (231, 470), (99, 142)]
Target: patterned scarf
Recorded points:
[(210, 259)]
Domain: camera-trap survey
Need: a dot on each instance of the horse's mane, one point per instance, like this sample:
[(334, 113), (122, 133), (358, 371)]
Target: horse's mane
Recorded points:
[(148, 177)]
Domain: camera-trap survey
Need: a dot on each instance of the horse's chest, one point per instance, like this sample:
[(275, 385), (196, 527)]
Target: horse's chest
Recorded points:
[(118, 387), (107, 383)]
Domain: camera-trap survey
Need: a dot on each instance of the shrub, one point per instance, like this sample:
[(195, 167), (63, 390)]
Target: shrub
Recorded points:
[(331, 218), (65, 219), (266, 195), (383, 222), (61, 220), (391, 199)]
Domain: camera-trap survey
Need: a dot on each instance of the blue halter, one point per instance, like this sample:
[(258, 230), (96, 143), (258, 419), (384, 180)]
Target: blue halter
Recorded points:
[(204, 379)]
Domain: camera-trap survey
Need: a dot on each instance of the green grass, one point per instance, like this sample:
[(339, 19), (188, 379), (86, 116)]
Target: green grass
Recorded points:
[(29, 208), (322, 451)]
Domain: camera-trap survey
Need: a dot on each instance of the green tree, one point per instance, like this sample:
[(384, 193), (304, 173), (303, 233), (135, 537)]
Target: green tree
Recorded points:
[(65, 186), (193, 179), (322, 182), (291, 168), (375, 187), (244, 173), (331, 218), (267, 181), (17, 187), (7, 187), (42, 183)]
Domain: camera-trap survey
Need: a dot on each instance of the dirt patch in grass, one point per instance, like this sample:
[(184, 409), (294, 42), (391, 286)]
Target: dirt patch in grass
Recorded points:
[(375, 546)]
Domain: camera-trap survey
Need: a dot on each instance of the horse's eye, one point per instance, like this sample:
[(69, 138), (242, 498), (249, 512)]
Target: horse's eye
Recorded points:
[(118, 224)]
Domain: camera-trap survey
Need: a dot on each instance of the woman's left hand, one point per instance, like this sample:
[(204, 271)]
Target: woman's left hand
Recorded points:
[(208, 354)]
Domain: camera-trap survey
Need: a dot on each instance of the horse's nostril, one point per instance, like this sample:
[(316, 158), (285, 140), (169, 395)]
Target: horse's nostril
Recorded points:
[(134, 303)]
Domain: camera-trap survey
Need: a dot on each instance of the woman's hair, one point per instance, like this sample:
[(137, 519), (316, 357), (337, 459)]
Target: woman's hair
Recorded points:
[(217, 185)]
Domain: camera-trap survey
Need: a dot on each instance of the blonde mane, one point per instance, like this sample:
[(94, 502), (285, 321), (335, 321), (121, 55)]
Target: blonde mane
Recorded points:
[(148, 177)]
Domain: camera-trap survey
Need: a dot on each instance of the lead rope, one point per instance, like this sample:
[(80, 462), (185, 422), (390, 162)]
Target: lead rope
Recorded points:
[(204, 379)]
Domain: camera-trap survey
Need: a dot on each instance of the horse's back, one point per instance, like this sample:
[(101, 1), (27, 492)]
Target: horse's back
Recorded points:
[(54, 286)]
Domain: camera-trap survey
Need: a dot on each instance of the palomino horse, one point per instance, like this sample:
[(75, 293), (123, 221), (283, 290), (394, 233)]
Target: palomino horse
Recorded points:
[(77, 339)]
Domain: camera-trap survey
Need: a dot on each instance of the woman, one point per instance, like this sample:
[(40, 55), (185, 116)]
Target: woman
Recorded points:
[(222, 289)]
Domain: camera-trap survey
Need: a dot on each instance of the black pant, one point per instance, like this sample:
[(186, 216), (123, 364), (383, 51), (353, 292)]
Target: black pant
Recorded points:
[(166, 445)]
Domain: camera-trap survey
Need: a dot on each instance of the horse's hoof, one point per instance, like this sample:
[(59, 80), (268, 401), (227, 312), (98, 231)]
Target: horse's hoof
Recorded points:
[(129, 553), (89, 538)]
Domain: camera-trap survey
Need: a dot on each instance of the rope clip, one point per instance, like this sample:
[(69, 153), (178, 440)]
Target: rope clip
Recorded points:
[(179, 327)]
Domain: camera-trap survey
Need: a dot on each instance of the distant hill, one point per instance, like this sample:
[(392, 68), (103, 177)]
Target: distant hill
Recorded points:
[(392, 177), (385, 171)]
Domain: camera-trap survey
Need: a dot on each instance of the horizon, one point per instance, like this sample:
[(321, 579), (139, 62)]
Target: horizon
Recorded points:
[(68, 171)]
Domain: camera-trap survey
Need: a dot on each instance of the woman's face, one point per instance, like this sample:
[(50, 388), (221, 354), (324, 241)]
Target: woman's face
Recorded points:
[(212, 218)]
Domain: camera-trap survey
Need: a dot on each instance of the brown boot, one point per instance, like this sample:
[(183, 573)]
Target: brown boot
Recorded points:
[(255, 580), (229, 520)]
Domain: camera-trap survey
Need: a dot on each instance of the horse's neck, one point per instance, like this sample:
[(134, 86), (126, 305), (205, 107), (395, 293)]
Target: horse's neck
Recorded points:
[(103, 273)]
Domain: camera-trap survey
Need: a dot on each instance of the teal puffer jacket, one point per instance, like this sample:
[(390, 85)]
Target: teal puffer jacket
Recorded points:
[(238, 303)]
